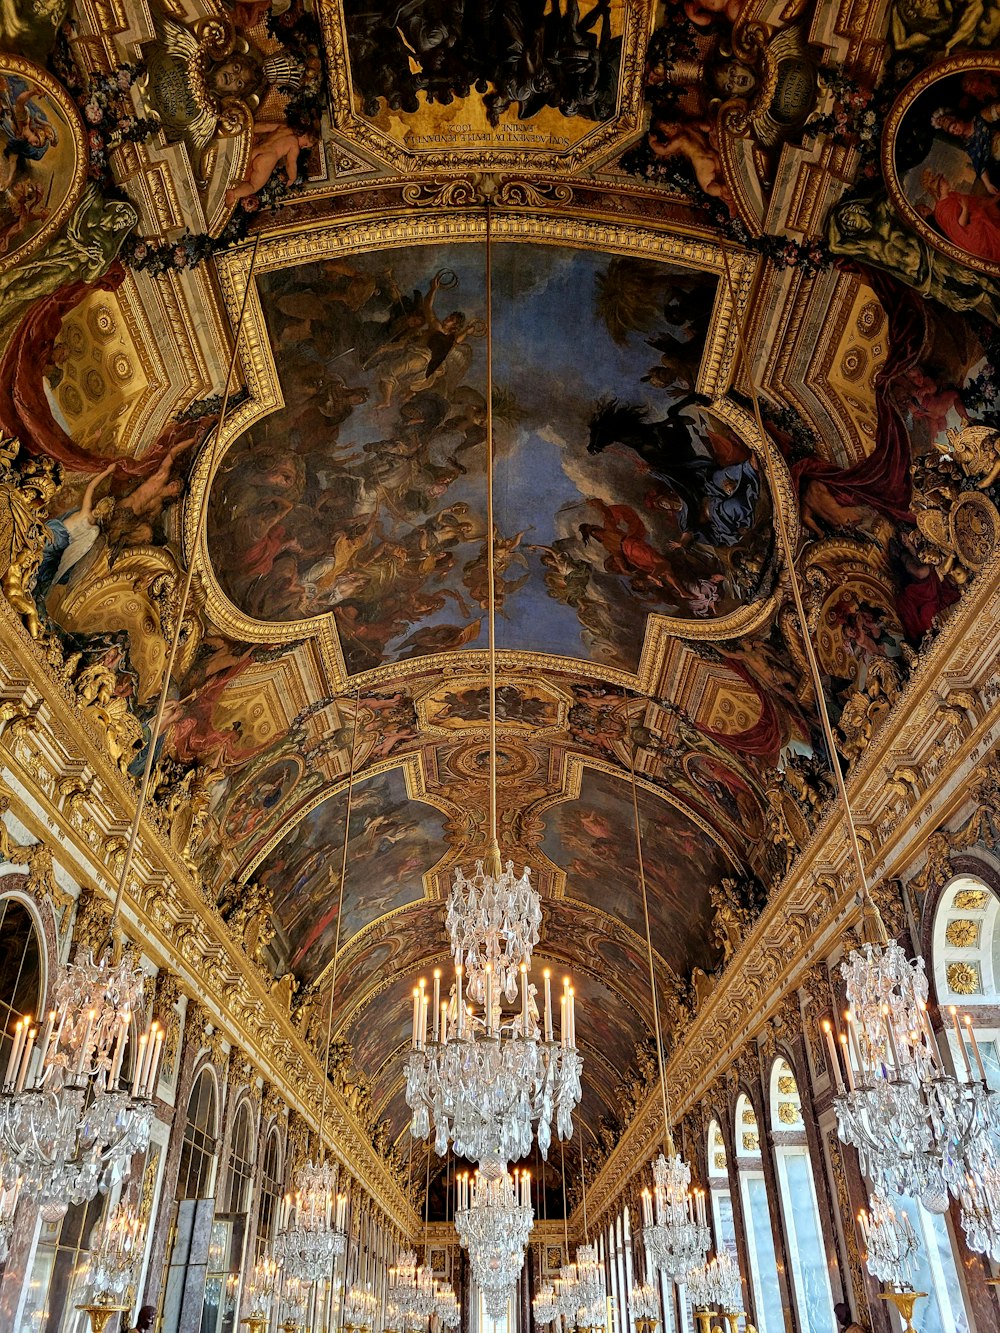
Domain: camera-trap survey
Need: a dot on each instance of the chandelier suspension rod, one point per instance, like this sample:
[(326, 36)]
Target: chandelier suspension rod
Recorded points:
[(427, 1204), (664, 1094), (175, 639), (340, 915), (493, 866), (562, 1154), (788, 553), (583, 1182)]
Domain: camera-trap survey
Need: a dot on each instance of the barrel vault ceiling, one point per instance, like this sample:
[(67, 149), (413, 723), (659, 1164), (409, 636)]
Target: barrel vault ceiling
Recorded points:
[(651, 180)]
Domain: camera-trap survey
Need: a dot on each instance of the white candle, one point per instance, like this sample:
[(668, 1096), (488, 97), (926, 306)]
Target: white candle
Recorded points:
[(437, 1002), (416, 1018), (119, 1055), (29, 1046), (929, 1031), (891, 1035), (847, 1066), (548, 1004), (562, 1021), (961, 1043), (50, 1023), (147, 1060), (154, 1063), (647, 1209), (140, 1059), (975, 1047), (14, 1049), (832, 1052), (572, 1018), (423, 1018), (444, 1021)]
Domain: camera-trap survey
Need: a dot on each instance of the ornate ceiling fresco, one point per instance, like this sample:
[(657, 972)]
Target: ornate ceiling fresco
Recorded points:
[(656, 179)]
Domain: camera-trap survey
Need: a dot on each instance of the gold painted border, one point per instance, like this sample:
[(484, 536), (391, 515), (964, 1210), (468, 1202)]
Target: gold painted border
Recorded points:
[(306, 245), (594, 145), (983, 60), (12, 64)]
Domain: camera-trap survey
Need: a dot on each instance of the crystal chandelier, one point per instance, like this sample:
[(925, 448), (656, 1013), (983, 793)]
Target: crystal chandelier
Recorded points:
[(411, 1288), (918, 1130), (489, 1082), (360, 1310), (447, 1306), (312, 1224), (890, 1242), (494, 1219), (980, 1202), (493, 923), (716, 1285), (114, 1255), (9, 1196), (544, 1306), (260, 1290), (675, 1228), (486, 1082), (645, 1305), (69, 1126)]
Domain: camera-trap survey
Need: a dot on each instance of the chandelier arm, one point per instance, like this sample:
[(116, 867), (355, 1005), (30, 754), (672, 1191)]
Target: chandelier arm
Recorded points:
[(493, 865), (168, 670), (872, 917), (340, 915), (664, 1094)]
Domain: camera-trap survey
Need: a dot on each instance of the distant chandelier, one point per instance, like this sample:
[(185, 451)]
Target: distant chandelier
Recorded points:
[(115, 1252), (716, 1286), (918, 1130), (411, 1289), (890, 1242), (69, 1126), (447, 1306), (493, 922), (484, 1082), (980, 1201), (580, 1290), (644, 1301), (544, 1305), (675, 1228), (494, 1219), (312, 1226), (360, 1310)]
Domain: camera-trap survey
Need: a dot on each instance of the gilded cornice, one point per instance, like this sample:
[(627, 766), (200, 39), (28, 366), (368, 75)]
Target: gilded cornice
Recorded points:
[(946, 721), (45, 744)]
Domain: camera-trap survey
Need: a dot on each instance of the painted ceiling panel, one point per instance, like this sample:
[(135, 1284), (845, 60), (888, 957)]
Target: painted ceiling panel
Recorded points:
[(393, 842), (617, 492)]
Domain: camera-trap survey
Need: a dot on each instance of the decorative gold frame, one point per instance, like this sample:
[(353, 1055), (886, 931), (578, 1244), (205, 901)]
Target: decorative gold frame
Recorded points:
[(984, 60), (306, 245), (593, 146), (12, 64)]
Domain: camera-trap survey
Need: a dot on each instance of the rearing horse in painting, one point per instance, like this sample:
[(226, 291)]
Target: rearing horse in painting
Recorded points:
[(654, 441)]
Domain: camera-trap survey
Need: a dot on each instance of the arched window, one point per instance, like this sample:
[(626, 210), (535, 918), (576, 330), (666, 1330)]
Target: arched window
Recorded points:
[(20, 971), (757, 1217), (240, 1162), (270, 1193), (198, 1149), (797, 1190), (723, 1226)]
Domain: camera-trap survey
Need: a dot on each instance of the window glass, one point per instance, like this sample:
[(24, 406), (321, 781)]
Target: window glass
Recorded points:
[(990, 1054), (198, 1148), (763, 1266), (20, 971), (807, 1251), (270, 1193), (240, 1163)]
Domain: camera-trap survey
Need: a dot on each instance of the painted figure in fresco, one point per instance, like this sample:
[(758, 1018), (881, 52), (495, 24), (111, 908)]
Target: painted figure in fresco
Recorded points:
[(26, 130), (869, 230), (72, 536), (714, 500), (533, 53), (273, 144)]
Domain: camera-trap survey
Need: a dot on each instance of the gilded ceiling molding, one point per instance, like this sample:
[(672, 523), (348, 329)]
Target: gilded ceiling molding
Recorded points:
[(809, 911), (44, 742), (363, 234)]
